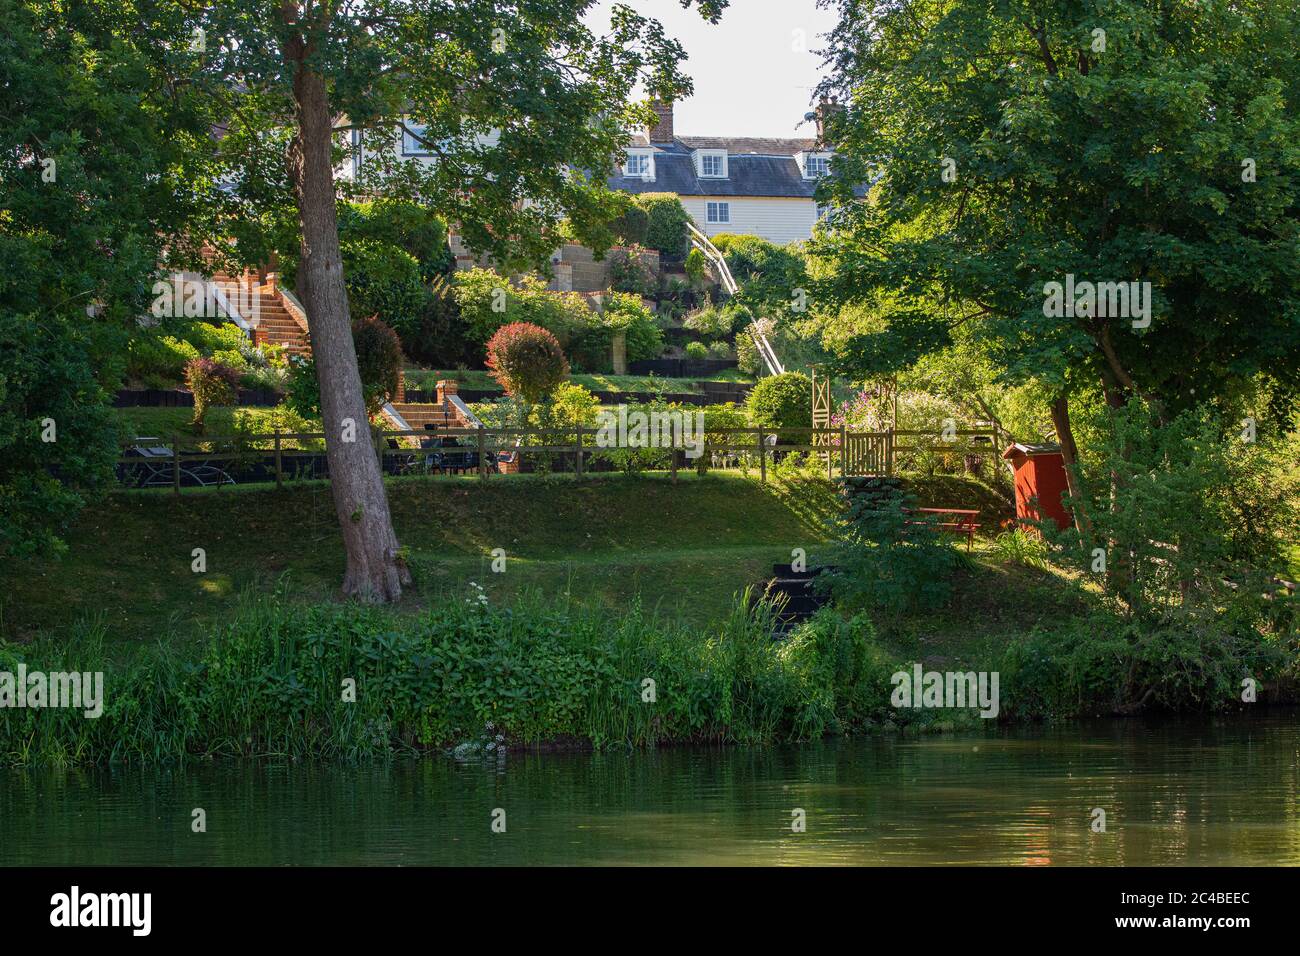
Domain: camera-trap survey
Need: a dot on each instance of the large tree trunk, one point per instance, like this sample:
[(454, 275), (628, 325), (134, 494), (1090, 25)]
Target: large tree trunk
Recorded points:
[(375, 571), (1070, 457)]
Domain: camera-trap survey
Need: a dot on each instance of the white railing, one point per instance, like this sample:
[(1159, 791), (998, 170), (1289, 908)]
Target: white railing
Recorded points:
[(765, 351)]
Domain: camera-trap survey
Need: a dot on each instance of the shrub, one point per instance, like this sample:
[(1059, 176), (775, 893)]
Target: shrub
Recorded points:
[(666, 228), (384, 281), (414, 229), (697, 350), (212, 384), (629, 273), (711, 322), (626, 313), (631, 226), (720, 351), (160, 358), (527, 360), (884, 562), (782, 402), (379, 360), (696, 266)]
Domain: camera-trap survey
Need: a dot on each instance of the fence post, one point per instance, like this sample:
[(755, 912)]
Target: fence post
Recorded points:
[(279, 471), (844, 450), (176, 463), (890, 442), (577, 446), (673, 453), (482, 461), (762, 456)]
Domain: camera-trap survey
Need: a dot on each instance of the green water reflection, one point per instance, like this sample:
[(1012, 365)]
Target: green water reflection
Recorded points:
[(1216, 792)]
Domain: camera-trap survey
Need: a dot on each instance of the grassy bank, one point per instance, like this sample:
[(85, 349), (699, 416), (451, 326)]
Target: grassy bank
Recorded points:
[(607, 541)]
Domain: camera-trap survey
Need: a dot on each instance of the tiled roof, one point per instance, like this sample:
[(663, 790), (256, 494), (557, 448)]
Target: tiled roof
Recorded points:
[(756, 167)]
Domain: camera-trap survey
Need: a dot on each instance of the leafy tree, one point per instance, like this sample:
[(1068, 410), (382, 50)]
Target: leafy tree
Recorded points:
[(509, 102), (1014, 145), (769, 276), (100, 157)]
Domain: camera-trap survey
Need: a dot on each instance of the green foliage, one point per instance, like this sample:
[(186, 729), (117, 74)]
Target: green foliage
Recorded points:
[(666, 229), (413, 228), (1127, 165), (628, 273), (783, 402), (695, 267), (101, 162), (1101, 665), (488, 302), (890, 561), (1194, 522), (383, 280), (1019, 546), (212, 384), (767, 274), (272, 681), (379, 360), (622, 312), (631, 225), (527, 360), (697, 350)]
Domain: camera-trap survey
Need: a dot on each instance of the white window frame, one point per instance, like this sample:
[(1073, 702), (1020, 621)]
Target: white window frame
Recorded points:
[(410, 146), (711, 154), (810, 158), (717, 212), (639, 154)]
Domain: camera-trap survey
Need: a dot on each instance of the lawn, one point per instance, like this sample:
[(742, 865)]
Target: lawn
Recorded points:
[(612, 539), (481, 379)]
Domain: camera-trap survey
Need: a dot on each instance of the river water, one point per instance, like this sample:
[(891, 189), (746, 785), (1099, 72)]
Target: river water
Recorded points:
[(1204, 792)]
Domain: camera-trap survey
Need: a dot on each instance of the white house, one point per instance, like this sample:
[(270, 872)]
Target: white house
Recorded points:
[(759, 186)]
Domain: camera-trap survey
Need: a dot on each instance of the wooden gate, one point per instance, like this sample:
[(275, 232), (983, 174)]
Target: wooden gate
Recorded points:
[(867, 453)]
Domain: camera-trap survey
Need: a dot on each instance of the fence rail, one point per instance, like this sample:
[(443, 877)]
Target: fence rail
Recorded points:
[(215, 460)]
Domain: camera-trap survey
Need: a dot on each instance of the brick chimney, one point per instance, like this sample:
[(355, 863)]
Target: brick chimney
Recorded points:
[(826, 109), (662, 130)]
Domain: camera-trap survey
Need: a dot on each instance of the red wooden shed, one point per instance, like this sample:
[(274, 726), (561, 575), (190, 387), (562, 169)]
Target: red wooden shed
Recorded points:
[(1040, 482)]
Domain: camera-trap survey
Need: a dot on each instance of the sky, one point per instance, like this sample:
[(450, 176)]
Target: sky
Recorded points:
[(754, 71)]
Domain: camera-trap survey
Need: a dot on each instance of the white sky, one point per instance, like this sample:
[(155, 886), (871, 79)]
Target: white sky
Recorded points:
[(754, 71)]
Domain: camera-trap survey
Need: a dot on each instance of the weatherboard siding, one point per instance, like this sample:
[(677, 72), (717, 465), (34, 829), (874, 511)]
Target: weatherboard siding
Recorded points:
[(776, 219)]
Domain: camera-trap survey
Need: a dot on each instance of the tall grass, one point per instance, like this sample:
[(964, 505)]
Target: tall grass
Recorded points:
[(275, 681)]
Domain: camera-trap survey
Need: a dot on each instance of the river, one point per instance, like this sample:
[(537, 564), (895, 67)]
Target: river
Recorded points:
[(1198, 792)]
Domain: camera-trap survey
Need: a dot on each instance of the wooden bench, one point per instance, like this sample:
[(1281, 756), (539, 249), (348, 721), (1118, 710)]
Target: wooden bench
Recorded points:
[(956, 520)]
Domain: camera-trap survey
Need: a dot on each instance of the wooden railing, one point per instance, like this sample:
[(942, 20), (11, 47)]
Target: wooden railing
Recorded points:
[(216, 460)]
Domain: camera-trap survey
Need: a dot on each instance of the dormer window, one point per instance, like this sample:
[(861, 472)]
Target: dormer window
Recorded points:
[(816, 165), (713, 164), (640, 164)]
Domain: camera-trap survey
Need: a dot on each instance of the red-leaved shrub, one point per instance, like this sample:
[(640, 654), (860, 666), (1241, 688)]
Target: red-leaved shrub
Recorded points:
[(527, 360)]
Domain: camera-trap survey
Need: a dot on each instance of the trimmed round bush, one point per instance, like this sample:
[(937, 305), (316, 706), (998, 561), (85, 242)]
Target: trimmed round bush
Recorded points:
[(697, 350), (527, 360), (666, 229), (782, 402)]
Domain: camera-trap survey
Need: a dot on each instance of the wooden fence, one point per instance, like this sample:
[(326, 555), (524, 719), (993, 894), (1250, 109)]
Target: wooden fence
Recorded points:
[(216, 460)]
